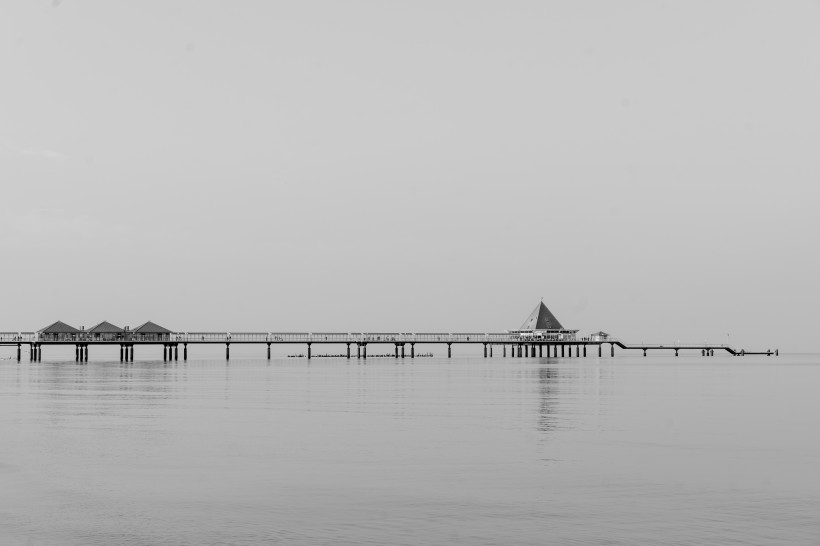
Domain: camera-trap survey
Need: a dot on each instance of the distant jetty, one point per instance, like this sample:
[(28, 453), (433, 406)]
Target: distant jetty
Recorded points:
[(541, 335)]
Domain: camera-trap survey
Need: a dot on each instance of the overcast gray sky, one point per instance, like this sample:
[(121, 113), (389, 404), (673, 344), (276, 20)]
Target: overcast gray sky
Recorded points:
[(648, 168)]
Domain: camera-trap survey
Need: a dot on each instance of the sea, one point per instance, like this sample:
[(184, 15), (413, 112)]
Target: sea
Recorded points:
[(469, 450)]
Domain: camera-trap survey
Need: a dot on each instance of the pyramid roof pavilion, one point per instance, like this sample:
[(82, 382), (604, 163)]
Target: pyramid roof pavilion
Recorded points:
[(541, 319), (105, 327), (59, 327), (151, 328)]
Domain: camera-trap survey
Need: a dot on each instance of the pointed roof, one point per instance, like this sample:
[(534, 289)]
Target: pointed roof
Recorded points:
[(151, 328), (105, 327), (541, 319), (59, 327)]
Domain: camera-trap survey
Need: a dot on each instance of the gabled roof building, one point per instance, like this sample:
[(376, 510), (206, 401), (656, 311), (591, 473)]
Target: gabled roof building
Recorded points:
[(151, 331), (106, 331), (58, 331)]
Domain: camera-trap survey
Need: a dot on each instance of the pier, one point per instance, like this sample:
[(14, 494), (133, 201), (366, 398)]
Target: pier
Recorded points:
[(540, 336)]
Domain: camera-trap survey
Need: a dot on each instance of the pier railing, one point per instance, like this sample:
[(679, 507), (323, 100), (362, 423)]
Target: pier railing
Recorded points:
[(288, 337), (337, 337)]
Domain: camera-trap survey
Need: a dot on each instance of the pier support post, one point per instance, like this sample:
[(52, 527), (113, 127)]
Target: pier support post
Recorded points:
[(612, 349), (176, 352), (364, 351), (85, 353), (308, 350), (402, 350), (449, 351), (644, 352), (491, 350), (485, 350), (165, 352), (396, 351), (358, 350), (412, 350), (348, 351), (19, 351), (540, 351), (504, 350), (676, 352), (122, 353), (520, 350), (185, 351), (131, 359), (227, 351), (562, 351)]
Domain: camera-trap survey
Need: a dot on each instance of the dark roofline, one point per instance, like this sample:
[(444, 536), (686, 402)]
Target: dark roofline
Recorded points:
[(151, 328), (105, 327), (59, 327)]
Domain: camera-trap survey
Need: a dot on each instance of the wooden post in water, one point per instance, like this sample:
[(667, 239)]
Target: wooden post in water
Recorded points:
[(364, 351), (348, 351), (185, 351), (308, 350), (227, 351), (412, 350), (19, 351), (402, 350), (449, 351), (176, 352)]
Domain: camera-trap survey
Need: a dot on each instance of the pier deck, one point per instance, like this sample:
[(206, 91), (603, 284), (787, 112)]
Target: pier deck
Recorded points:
[(519, 345)]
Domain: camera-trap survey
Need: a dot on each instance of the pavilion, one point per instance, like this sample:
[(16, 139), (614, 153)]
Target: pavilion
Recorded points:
[(542, 325)]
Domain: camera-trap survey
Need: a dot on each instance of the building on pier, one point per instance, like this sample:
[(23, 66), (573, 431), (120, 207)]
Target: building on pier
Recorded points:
[(58, 331), (105, 331), (543, 326), (150, 332)]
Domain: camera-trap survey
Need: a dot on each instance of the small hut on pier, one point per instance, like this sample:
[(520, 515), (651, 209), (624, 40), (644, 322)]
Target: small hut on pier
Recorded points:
[(59, 331), (151, 332), (105, 331)]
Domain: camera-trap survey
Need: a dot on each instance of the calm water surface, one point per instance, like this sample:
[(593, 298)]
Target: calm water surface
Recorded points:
[(628, 450)]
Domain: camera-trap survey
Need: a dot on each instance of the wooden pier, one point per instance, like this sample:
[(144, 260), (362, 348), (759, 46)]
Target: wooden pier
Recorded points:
[(512, 345)]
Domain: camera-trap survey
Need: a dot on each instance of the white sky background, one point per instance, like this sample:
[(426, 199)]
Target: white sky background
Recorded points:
[(649, 168)]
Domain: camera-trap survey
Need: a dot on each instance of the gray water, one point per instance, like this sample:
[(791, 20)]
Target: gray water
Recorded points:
[(656, 450)]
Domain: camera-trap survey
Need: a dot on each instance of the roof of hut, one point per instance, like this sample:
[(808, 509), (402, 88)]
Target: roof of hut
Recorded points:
[(151, 328), (105, 327), (59, 327)]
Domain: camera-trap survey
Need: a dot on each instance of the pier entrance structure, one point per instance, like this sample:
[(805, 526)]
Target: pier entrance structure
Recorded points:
[(541, 333)]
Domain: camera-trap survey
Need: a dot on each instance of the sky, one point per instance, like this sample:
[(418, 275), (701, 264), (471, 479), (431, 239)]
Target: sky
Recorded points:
[(647, 168)]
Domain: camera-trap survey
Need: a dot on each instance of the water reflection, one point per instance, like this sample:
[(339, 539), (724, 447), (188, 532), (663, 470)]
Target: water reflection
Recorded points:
[(486, 451)]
